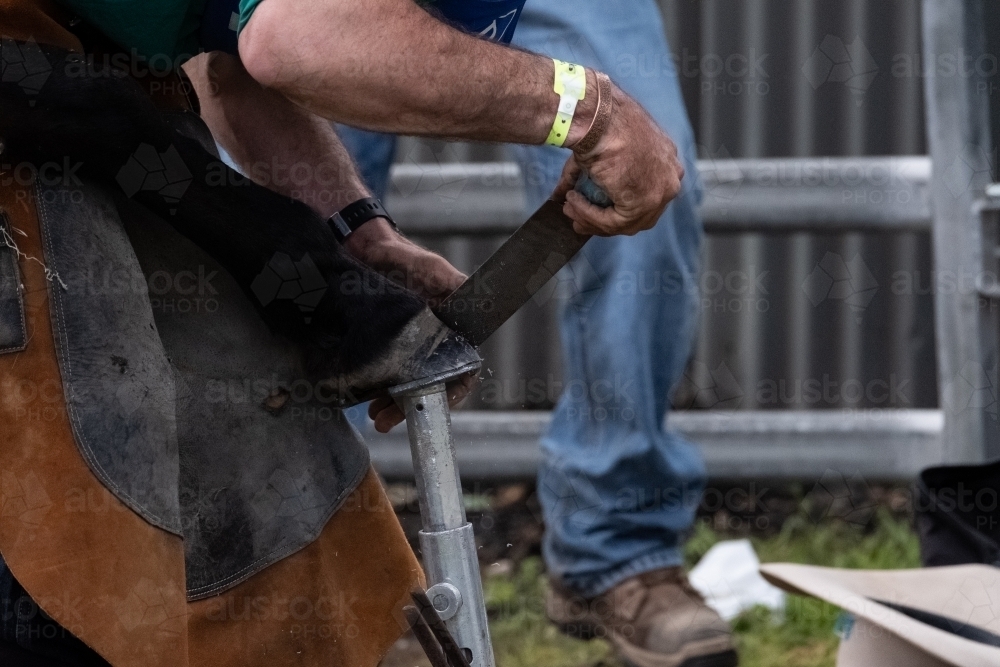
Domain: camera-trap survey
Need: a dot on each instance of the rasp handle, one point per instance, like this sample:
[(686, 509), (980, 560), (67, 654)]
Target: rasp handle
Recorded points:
[(592, 191)]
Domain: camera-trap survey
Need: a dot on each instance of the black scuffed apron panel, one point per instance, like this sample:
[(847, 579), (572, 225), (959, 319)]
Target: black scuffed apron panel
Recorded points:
[(260, 478), (168, 368), (13, 333), (116, 378)]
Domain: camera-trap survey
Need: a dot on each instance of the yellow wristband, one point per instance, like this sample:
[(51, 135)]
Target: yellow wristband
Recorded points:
[(571, 87)]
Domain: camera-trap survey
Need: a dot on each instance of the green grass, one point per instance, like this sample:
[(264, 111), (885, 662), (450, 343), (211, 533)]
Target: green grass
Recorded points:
[(522, 636), (804, 637)]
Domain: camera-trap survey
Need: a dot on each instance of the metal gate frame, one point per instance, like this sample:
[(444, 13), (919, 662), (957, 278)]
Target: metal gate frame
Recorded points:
[(962, 156)]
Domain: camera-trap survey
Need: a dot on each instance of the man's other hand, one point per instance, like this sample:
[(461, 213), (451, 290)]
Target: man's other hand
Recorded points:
[(428, 274), (386, 414)]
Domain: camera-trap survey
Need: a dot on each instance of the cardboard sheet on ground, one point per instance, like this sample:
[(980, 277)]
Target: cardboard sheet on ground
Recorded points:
[(933, 617)]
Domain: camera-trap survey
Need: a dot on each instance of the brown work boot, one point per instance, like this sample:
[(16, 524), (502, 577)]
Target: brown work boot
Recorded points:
[(655, 619)]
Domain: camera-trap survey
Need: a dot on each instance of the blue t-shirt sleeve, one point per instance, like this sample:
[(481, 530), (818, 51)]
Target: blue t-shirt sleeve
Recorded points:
[(493, 19)]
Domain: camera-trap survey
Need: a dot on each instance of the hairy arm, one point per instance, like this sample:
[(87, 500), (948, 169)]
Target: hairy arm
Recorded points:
[(290, 150), (276, 143), (388, 65)]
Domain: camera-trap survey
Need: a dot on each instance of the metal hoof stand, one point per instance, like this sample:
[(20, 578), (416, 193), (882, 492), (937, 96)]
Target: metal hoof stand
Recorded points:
[(455, 595)]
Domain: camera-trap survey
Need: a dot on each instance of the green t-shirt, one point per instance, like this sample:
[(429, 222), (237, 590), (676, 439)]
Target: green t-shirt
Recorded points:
[(167, 32), (155, 29), (158, 30)]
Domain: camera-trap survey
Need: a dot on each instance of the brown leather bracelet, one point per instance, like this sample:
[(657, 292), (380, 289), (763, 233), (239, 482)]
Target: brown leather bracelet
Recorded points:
[(602, 119)]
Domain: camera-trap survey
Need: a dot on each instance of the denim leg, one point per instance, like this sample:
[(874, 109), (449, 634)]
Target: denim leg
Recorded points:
[(619, 491), (373, 152)]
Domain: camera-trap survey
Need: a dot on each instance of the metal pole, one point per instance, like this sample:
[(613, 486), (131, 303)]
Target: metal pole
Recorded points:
[(958, 135), (447, 540)]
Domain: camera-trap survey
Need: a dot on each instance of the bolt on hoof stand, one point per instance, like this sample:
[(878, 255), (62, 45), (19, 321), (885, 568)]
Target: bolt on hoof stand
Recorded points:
[(447, 540)]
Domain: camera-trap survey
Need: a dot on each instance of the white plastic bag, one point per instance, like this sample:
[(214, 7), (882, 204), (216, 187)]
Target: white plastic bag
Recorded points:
[(728, 578)]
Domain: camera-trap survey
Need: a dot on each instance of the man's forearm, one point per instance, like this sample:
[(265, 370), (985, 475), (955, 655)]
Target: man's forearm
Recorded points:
[(274, 142), (388, 65), (292, 151)]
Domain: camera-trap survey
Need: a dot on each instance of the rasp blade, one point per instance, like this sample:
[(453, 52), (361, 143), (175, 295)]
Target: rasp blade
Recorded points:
[(512, 275)]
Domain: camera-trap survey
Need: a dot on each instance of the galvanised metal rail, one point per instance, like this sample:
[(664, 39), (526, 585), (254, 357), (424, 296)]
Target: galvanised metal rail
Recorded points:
[(770, 195), (749, 444)]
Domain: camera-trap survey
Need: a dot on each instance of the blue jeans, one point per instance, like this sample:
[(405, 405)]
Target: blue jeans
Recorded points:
[(617, 489)]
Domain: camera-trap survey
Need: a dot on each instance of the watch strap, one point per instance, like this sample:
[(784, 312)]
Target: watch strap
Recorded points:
[(346, 221)]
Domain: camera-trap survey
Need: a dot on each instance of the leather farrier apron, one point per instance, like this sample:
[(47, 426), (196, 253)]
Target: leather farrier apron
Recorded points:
[(153, 501)]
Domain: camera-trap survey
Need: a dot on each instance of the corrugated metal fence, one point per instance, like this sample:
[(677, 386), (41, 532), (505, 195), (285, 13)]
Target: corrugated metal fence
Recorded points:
[(832, 320)]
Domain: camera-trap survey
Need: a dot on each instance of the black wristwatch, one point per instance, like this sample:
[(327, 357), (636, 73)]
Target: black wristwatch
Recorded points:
[(348, 219)]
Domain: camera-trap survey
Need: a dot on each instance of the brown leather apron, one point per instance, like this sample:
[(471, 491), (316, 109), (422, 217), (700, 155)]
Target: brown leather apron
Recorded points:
[(40, 20)]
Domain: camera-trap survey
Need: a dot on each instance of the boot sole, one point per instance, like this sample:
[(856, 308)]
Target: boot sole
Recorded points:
[(722, 659)]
